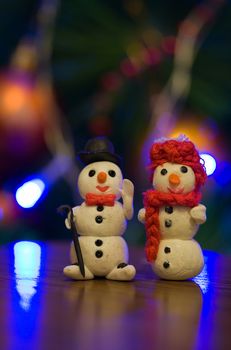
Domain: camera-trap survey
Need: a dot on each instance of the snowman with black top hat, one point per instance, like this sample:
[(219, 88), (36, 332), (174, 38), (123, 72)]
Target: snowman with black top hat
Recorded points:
[(101, 219)]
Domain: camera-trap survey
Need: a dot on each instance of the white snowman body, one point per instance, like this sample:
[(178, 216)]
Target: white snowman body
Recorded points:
[(177, 222), (104, 251), (102, 254), (178, 259), (100, 220), (179, 256)]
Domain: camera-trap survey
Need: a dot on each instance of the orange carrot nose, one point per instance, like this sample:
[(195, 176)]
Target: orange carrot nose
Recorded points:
[(102, 177), (174, 179)]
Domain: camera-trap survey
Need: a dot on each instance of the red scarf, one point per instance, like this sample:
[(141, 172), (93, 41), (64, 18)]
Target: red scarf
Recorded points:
[(153, 200), (100, 199)]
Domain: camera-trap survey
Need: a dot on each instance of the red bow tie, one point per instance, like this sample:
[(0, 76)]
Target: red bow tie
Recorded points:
[(100, 199)]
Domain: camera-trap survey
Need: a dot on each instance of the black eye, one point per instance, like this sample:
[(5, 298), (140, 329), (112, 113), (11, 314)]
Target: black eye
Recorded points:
[(91, 173), (164, 171), (184, 169), (112, 173)]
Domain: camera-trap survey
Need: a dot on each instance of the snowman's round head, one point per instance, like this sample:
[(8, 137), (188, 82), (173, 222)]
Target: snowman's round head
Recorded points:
[(176, 166), (174, 178), (101, 177)]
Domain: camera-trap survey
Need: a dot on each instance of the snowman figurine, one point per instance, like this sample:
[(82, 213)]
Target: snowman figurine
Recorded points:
[(172, 213), (101, 219)]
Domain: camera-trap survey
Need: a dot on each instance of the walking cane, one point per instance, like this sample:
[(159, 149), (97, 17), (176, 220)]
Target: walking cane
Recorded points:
[(66, 209)]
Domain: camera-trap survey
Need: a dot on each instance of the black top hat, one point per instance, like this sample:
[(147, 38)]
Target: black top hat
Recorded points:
[(99, 149)]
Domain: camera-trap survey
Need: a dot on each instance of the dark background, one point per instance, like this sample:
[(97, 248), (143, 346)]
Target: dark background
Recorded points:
[(89, 68)]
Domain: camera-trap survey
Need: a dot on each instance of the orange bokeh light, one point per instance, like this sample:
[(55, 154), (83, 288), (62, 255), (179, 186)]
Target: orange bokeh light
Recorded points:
[(14, 98), (202, 135), (8, 208)]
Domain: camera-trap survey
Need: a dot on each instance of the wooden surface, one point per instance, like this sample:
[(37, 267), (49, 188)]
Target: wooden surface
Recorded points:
[(51, 312)]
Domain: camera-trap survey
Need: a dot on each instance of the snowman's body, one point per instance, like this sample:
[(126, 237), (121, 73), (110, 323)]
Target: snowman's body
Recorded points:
[(178, 259), (100, 220), (102, 254), (177, 222), (179, 256), (100, 226)]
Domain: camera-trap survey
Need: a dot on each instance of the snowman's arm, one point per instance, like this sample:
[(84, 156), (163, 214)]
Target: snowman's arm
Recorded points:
[(127, 194), (141, 215), (67, 220), (198, 214)]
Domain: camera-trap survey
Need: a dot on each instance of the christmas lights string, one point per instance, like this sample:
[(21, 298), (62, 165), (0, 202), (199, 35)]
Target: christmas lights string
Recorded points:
[(141, 56), (145, 54), (56, 131), (192, 32)]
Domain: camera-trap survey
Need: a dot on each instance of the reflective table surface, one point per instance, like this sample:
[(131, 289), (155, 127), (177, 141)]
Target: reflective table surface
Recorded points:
[(41, 309)]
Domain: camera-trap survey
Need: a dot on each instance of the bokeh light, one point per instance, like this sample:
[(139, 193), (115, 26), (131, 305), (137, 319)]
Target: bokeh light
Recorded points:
[(200, 132), (209, 162), (8, 208), (27, 261), (29, 193)]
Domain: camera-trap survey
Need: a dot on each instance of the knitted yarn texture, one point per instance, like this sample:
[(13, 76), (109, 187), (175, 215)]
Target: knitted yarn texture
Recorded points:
[(174, 151)]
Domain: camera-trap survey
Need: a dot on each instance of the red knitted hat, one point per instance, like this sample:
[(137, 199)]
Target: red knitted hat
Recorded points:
[(180, 151)]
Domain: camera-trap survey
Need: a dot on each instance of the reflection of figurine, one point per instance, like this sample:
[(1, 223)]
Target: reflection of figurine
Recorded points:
[(172, 212), (181, 302), (101, 219), (87, 299), (99, 313)]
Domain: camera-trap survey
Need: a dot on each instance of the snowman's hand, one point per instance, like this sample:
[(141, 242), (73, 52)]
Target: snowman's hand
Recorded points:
[(127, 189), (141, 215), (198, 214), (68, 221), (67, 224), (127, 194)]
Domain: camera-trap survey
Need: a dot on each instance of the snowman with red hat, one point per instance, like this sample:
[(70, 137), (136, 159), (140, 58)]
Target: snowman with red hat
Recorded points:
[(101, 219), (172, 212)]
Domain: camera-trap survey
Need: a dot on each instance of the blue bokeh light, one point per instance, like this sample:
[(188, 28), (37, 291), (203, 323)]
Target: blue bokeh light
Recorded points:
[(29, 193), (203, 279), (209, 162), (27, 261)]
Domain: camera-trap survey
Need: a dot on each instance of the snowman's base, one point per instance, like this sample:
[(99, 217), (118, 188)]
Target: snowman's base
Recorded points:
[(73, 271), (124, 273), (178, 259)]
